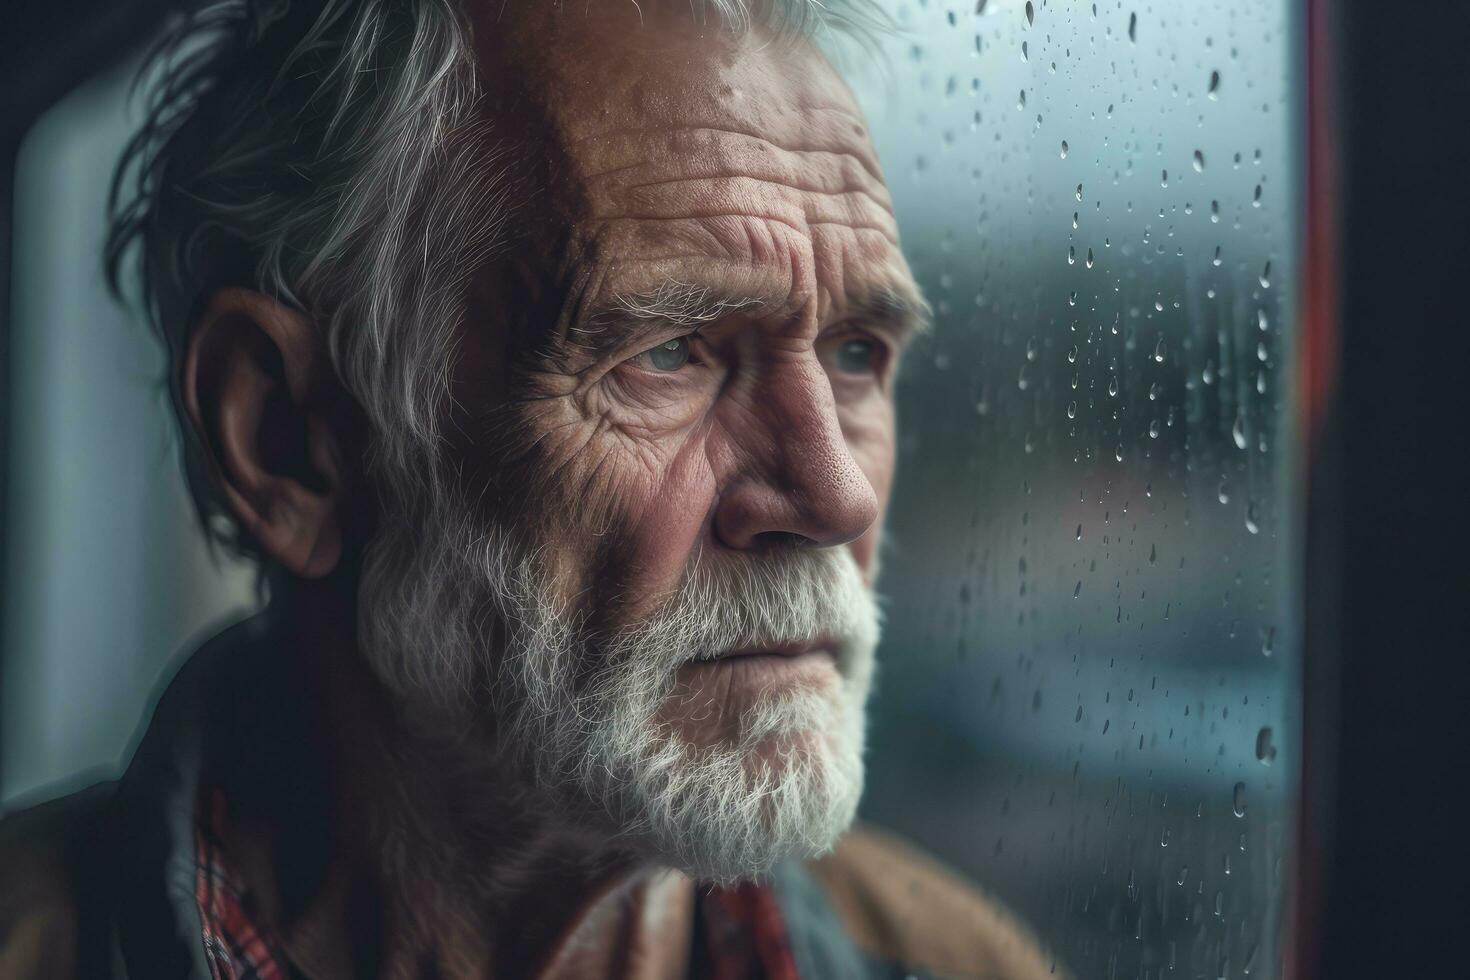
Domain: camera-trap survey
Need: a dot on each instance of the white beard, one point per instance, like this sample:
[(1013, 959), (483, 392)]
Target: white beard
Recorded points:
[(460, 624)]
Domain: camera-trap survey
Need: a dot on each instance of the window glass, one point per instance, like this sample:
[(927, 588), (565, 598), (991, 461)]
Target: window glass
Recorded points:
[(1087, 689)]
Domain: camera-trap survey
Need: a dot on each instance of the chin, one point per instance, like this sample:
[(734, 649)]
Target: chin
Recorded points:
[(736, 812)]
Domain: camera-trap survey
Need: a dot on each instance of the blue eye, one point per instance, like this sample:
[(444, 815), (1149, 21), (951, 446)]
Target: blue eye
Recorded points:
[(857, 356), (670, 355)]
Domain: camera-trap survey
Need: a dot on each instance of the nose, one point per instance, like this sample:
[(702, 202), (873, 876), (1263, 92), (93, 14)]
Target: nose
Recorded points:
[(801, 484)]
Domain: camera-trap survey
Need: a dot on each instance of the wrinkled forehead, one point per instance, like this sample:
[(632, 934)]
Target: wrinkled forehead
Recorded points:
[(601, 72), (678, 151)]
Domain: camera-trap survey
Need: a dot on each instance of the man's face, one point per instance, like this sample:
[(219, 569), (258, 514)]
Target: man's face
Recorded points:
[(703, 425)]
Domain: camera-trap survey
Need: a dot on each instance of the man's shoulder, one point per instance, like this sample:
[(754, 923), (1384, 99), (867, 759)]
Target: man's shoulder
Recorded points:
[(50, 855), (904, 907)]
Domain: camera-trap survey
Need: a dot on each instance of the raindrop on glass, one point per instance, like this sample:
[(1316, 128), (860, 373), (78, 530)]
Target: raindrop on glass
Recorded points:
[(1237, 431), (1265, 751), (1153, 429), (1089, 258), (1133, 27), (1214, 88), (1030, 14), (1239, 803), (1160, 351), (1064, 150), (1199, 162), (1252, 524), (1266, 276)]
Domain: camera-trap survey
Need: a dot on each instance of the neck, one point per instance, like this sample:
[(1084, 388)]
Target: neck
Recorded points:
[(430, 860)]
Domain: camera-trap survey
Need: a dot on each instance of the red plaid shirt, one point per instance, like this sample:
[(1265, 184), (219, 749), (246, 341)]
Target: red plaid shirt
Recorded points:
[(745, 936)]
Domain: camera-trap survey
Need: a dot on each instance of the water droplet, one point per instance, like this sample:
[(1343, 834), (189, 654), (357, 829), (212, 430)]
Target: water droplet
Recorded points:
[(1118, 453), (1214, 87), (1071, 254), (1030, 14), (1164, 838), (1071, 410), (1252, 524), (1268, 641), (1074, 220), (1183, 873), (1153, 554), (1079, 532), (1216, 260), (1222, 492), (1237, 431), (1160, 351), (1077, 591), (1022, 103), (1239, 804), (1265, 751), (1031, 349), (1064, 150), (1079, 192), (1261, 320), (1153, 392), (980, 6), (1214, 212), (1199, 162), (1256, 198), (1089, 258), (1113, 386), (1208, 374), (1024, 55), (1266, 276), (1153, 429), (1164, 180), (1133, 27), (1023, 381)]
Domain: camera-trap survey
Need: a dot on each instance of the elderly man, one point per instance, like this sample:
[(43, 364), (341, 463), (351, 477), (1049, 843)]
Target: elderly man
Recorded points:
[(543, 357)]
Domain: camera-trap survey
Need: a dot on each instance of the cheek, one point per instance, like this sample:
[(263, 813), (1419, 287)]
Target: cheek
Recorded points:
[(665, 504)]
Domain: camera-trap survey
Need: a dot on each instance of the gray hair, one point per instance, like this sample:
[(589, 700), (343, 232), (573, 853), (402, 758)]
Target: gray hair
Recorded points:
[(333, 154)]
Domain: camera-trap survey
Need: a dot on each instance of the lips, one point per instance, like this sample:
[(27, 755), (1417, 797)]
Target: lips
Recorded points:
[(787, 650)]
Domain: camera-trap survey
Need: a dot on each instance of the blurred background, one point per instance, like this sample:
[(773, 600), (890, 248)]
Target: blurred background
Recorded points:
[(1090, 678)]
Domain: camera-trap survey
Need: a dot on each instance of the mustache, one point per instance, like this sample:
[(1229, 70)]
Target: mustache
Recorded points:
[(782, 598)]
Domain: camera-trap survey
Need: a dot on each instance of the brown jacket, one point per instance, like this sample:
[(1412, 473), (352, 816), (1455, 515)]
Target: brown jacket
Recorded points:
[(101, 883)]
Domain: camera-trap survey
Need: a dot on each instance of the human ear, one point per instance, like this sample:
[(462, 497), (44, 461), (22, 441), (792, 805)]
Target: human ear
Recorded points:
[(257, 388)]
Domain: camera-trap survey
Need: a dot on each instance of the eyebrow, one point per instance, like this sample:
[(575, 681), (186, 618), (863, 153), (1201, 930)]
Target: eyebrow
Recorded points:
[(679, 305)]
